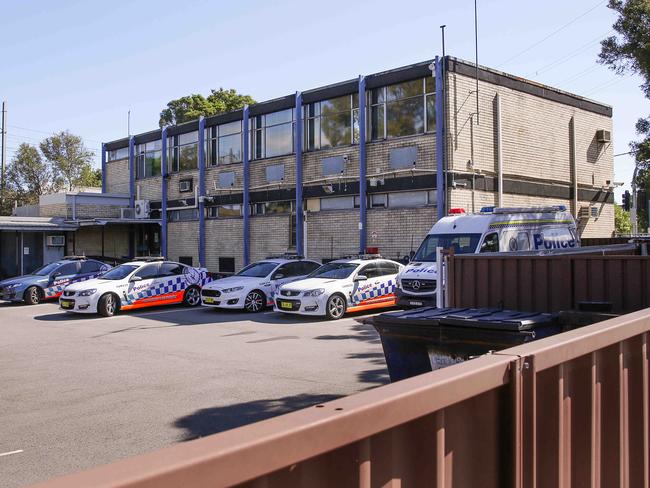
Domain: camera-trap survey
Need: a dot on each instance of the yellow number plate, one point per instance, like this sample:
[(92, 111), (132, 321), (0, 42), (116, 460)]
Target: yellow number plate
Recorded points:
[(66, 305), (286, 305), (208, 300)]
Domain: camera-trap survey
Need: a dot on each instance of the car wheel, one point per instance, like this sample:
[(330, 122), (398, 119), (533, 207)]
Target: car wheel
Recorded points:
[(33, 295), (108, 305), (192, 296), (336, 307), (254, 301)]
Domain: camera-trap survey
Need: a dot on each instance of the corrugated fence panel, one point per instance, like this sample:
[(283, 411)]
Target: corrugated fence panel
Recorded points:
[(550, 283)]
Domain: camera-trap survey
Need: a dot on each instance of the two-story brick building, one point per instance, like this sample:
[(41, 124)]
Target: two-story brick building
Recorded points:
[(226, 188)]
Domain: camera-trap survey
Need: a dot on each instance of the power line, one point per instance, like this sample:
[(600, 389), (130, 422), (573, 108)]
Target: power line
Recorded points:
[(571, 55), (580, 74), (560, 29), (46, 132), (606, 84), (625, 153)]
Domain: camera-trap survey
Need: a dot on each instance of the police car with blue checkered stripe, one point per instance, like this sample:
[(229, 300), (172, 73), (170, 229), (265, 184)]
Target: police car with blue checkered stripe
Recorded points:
[(340, 286), (144, 282)]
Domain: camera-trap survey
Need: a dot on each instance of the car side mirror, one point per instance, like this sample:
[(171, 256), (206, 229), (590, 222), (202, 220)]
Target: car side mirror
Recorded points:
[(278, 276), (361, 278), (56, 274), (135, 278)]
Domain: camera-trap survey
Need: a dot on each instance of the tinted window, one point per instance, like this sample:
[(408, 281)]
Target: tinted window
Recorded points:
[(46, 270), (258, 270), (370, 271), (388, 268), (68, 269), (333, 270), (171, 269), (491, 243), (120, 272), (90, 267), (148, 271), (461, 243), (291, 269), (308, 267)]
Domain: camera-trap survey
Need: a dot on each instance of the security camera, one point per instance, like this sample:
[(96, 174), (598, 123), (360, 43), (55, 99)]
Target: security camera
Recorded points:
[(345, 158)]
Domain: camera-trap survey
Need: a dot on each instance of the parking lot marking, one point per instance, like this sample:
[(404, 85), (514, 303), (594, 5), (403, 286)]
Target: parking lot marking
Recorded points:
[(10, 453)]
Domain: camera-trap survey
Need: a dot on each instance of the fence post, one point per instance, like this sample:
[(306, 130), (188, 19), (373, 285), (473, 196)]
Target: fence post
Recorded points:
[(440, 277)]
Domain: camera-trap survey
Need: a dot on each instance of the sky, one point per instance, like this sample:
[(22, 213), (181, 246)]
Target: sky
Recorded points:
[(83, 65)]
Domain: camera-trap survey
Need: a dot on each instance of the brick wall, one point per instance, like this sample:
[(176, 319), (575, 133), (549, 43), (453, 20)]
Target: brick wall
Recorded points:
[(117, 176), (149, 188), (87, 211), (269, 235), (183, 240), (223, 239), (55, 210)]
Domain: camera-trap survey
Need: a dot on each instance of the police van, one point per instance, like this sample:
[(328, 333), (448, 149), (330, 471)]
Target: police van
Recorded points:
[(494, 229)]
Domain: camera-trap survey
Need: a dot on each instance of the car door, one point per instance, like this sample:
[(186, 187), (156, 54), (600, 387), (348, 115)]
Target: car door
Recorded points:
[(363, 291), (141, 292), (60, 278), (285, 273), (388, 279), (89, 269), (171, 282)]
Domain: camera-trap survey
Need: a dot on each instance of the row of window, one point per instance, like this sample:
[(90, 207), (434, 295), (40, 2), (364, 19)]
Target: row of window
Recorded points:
[(397, 110), (405, 199)]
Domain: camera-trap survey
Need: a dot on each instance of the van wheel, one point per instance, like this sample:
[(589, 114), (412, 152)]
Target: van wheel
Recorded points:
[(254, 301), (108, 305), (336, 307), (33, 295), (192, 296)]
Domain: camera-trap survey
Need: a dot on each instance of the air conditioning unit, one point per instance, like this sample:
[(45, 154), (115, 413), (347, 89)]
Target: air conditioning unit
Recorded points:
[(142, 209), (126, 213), (55, 241), (594, 212), (603, 136), (585, 212), (184, 186)]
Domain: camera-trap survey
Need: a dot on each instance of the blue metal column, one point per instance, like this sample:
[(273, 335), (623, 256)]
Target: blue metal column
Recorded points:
[(363, 215), (132, 191), (440, 141), (163, 208), (103, 168), (246, 203), (297, 143), (201, 196)]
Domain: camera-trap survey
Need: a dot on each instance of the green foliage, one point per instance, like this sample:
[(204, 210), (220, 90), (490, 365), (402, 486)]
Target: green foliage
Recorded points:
[(622, 221), (193, 106), (68, 157), (27, 177)]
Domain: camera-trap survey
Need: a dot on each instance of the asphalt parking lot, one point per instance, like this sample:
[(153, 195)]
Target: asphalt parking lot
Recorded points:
[(78, 391)]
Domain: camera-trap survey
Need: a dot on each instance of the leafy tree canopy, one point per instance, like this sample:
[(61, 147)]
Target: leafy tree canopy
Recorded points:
[(622, 221), (193, 106), (68, 157)]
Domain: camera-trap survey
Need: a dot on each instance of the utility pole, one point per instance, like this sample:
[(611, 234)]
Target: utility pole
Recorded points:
[(3, 164)]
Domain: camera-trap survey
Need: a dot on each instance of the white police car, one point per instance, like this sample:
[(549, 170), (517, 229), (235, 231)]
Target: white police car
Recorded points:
[(493, 230), (344, 285), (144, 282), (48, 282), (254, 287)]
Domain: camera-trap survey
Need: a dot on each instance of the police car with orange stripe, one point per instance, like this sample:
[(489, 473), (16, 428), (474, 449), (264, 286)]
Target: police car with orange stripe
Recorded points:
[(144, 282), (340, 286)]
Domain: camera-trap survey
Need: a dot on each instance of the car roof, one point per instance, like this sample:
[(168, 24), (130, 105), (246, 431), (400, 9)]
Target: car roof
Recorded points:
[(285, 260), (363, 261)]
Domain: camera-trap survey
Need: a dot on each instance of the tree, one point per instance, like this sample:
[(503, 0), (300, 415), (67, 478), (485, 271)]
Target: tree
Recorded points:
[(90, 177), (622, 221), (193, 106), (28, 176), (69, 158)]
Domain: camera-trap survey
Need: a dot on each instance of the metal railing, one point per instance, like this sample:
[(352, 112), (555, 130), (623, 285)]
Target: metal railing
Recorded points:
[(568, 410)]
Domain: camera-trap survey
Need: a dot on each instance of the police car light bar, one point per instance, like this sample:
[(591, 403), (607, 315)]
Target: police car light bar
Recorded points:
[(74, 258), (456, 211), (508, 210), (148, 258), (286, 256)]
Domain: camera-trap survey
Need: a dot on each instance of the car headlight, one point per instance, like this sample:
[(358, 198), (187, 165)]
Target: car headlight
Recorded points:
[(11, 285), (87, 293), (314, 293), (230, 290)]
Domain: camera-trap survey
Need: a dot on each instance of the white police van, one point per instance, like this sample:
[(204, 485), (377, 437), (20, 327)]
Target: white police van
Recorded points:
[(492, 230)]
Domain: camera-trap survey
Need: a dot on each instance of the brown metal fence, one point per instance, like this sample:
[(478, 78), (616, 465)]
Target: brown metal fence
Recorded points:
[(549, 283), (571, 410)]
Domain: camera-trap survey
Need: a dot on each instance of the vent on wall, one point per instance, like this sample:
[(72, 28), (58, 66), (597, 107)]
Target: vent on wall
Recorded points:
[(603, 135), (185, 186)]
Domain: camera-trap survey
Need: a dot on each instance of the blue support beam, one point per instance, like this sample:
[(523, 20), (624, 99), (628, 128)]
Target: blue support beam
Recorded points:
[(163, 209), (363, 212), (441, 189), (201, 196), (103, 168), (247, 180), (297, 140)]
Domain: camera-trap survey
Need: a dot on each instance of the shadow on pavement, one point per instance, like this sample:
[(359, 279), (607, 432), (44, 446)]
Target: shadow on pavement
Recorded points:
[(212, 420), (361, 332), (376, 376)]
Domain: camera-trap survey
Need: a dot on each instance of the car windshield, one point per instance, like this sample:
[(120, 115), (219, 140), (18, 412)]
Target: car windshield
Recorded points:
[(258, 270), (336, 271), (461, 243), (120, 272), (46, 270)]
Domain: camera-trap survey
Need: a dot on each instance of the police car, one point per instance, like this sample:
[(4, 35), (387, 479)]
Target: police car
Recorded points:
[(48, 282), (254, 287), (144, 282), (493, 230), (344, 285)]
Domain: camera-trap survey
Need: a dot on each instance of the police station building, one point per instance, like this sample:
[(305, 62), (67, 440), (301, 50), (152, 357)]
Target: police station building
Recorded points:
[(371, 162)]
